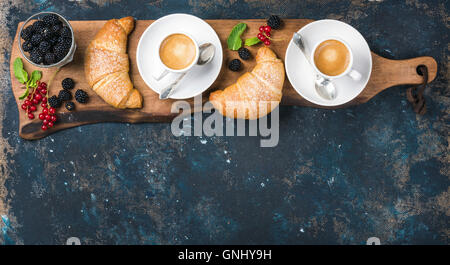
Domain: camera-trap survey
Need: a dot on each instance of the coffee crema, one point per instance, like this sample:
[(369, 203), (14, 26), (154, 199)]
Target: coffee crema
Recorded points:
[(177, 51), (332, 57)]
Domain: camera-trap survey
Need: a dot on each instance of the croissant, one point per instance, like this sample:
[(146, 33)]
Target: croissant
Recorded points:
[(254, 94), (106, 65)]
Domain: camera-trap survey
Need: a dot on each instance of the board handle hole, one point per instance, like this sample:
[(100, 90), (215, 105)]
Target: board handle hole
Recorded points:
[(420, 69)]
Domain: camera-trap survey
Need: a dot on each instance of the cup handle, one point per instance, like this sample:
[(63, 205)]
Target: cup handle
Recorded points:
[(355, 75), (162, 75)]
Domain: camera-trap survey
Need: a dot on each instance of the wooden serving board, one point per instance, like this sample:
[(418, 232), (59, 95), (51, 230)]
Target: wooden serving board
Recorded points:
[(386, 73)]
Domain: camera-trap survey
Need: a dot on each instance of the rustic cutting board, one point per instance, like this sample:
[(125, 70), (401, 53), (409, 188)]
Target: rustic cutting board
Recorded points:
[(386, 73)]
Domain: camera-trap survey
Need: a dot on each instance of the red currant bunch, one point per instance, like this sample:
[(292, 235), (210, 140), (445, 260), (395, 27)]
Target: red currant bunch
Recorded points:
[(48, 117), (48, 114), (40, 95), (37, 96), (264, 34)]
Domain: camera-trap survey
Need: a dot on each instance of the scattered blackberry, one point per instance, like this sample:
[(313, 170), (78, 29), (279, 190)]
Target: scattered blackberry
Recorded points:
[(36, 39), (68, 83), (50, 58), (81, 96), (54, 102), (274, 22), (51, 19), (27, 33), (65, 32), (64, 95), (234, 65), (55, 29), (36, 57), (37, 26), (27, 46), (46, 33), (44, 46), (244, 53), (70, 106)]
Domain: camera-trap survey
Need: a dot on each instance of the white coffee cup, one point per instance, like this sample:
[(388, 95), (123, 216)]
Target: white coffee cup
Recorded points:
[(352, 73), (168, 70)]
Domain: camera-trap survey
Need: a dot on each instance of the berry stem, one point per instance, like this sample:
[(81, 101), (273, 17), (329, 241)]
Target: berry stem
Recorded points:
[(46, 96), (50, 82), (34, 91), (273, 39), (53, 77)]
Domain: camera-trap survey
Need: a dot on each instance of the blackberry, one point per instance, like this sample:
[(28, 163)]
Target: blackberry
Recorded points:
[(44, 46), (55, 29), (36, 57), (53, 40), (81, 96), (51, 19), (54, 102), (68, 83), (65, 32), (60, 51), (65, 42), (50, 58), (70, 106), (27, 46), (27, 33), (36, 50), (274, 22), (64, 95), (38, 25), (244, 53), (59, 57), (36, 39), (46, 33), (234, 65)]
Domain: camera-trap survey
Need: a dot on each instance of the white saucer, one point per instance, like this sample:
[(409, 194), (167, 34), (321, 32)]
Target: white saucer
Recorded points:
[(199, 78), (300, 73)]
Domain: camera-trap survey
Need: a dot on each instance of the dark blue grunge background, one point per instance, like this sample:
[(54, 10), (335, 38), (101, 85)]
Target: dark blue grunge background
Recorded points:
[(336, 176)]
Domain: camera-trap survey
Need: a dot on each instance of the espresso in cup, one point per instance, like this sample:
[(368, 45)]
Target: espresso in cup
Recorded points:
[(177, 51), (332, 57)]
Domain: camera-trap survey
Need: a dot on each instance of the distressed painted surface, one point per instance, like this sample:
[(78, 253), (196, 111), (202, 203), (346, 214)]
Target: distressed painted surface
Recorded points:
[(383, 172)]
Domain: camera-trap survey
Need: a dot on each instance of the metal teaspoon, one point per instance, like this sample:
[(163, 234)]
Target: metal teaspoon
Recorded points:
[(324, 87)]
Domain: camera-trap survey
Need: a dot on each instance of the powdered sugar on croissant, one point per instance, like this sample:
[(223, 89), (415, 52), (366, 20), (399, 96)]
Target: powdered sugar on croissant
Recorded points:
[(106, 65), (254, 94)]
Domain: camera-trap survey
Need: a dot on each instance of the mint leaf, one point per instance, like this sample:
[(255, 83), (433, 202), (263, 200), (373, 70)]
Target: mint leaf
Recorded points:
[(19, 72), (35, 76), (32, 82), (18, 64), (234, 40), (252, 41)]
